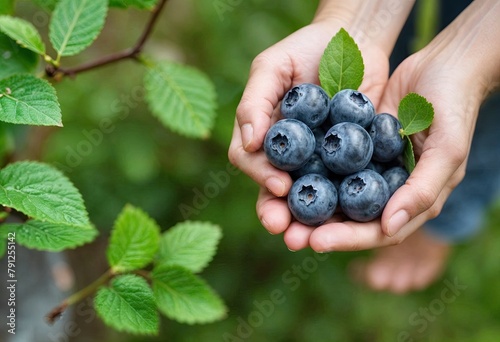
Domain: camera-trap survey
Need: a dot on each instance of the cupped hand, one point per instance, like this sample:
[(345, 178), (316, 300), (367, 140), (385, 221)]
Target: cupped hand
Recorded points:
[(441, 151), (292, 61)]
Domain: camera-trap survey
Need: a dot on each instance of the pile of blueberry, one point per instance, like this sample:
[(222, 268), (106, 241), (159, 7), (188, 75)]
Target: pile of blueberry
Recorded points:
[(339, 153)]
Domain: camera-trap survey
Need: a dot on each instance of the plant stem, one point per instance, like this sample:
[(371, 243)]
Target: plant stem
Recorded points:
[(54, 71), (79, 296)]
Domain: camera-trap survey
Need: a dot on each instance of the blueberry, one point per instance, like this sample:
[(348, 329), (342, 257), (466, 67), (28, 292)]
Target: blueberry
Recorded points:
[(347, 148), (314, 165), (312, 199), (376, 166), (289, 144), (306, 102), (395, 177), (363, 195), (351, 106), (319, 135), (387, 141)]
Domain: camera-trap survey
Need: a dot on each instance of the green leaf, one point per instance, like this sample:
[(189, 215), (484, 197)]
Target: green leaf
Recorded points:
[(184, 297), (182, 98), (409, 156), (43, 193), (341, 66), (189, 244), (415, 113), (52, 237), (76, 24), (23, 32), (134, 240), (140, 4), (14, 59), (26, 99), (6, 6), (128, 305)]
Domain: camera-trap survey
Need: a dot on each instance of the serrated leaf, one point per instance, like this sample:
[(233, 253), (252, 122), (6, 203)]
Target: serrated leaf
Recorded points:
[(184, 297), (409, 156), (26, 99), (23, 32), (6, 6), (43, 193), (51, 237), (415, 113), (140, 4), (134, 240), (76, 24), (341, 66), (189, 244), (14, 59), (128, 305), (183, 98)]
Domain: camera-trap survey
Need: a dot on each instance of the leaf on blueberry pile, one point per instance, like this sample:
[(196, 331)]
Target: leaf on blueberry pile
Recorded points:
[(408, 155), (415, 114), (341, 66)]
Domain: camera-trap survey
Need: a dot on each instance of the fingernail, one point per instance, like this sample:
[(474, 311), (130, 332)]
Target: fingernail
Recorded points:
[(396, 222), (246, 135), (276, 186), (291, 250)]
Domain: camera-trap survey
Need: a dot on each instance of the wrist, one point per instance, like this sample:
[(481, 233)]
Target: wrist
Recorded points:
[(370, 23), (468, 46)]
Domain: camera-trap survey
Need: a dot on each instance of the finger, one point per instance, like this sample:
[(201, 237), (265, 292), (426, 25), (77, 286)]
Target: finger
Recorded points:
[(348, 236), (273, 212), (354, 236), (436, 173), (297, 236), (257, 167), (270, 77)]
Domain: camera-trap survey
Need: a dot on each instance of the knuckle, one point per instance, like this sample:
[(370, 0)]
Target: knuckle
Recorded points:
[(233, 155), (426, 197), (457, 157), (397, 240)]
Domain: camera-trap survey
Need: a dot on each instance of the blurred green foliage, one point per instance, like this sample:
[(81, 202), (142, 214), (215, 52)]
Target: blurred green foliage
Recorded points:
[(135, 160)]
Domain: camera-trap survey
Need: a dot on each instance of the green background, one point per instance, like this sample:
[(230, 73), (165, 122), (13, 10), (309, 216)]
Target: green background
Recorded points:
[(135, 160)]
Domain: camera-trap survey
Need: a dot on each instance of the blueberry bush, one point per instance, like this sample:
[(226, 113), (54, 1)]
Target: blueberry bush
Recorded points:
[(150, 272)]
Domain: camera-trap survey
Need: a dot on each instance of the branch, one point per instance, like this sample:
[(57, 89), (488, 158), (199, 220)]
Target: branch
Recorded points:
[(132, 53), (56, 312)]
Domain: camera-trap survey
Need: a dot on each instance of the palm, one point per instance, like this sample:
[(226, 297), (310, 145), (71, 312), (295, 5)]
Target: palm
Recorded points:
[(302, 52)]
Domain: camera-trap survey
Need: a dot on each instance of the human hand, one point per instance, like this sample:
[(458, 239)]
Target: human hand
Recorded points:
[(455, 78), (292, 61)]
